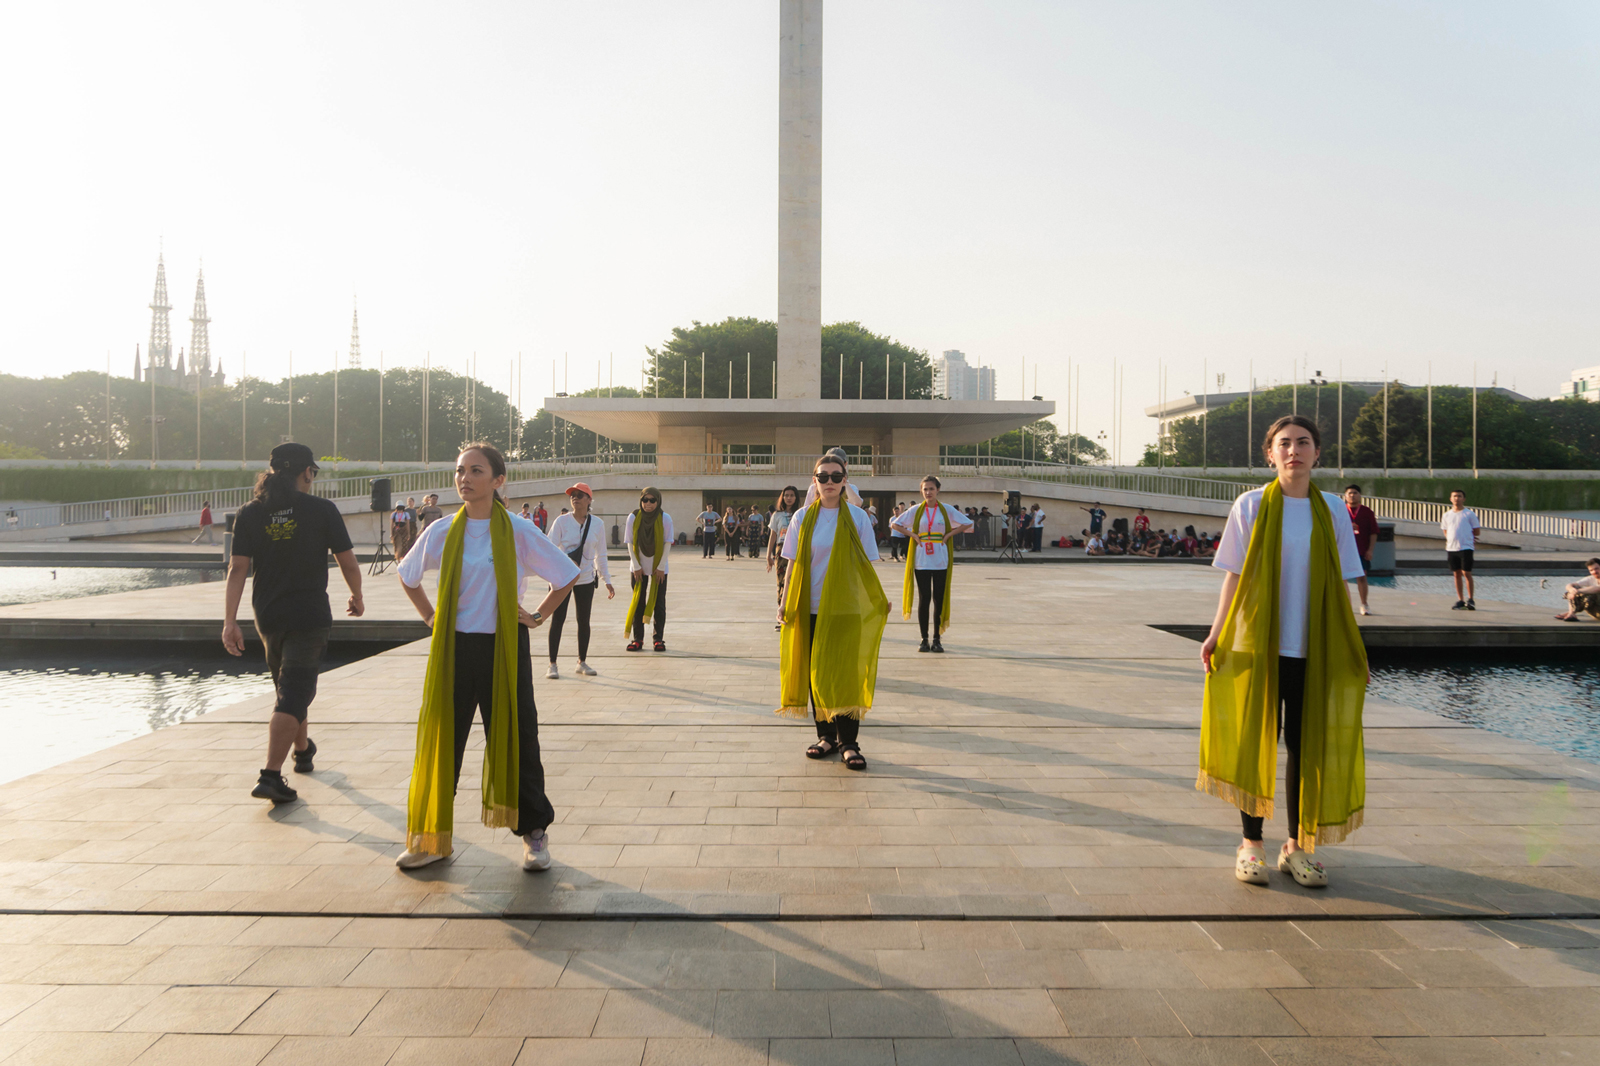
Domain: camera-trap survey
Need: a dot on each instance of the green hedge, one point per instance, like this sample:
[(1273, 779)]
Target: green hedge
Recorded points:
[(1510, 493)]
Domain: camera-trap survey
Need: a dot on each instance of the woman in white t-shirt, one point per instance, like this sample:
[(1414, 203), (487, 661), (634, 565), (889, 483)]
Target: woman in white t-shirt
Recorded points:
[(647, 534), (470, 656), (1257, 675), (931, 528), (778, 528), (582, 537)]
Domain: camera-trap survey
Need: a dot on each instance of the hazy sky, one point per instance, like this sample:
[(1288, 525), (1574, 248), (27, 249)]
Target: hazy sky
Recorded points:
[(1368, 183)]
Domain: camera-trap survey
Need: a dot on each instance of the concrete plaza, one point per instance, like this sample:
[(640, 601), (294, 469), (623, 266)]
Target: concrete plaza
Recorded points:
[(1025, 875)]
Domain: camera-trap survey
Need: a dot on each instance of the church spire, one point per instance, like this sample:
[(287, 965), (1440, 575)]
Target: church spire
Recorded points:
[(200, 332), (160, 332), (354, 362)]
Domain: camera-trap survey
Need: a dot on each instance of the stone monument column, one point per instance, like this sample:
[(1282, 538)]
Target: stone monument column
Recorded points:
[(799, 200)]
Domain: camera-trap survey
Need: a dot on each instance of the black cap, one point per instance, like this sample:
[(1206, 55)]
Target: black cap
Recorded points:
[(291, 456)]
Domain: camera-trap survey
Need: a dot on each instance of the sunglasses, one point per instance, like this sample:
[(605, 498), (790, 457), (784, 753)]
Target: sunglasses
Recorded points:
[(648, 499), (836, 477)]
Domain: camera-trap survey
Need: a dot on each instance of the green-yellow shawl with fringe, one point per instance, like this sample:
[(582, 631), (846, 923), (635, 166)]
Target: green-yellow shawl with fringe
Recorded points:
[(838, 666), (430, 807), (1239, 727), (949, 562), (649, 604)]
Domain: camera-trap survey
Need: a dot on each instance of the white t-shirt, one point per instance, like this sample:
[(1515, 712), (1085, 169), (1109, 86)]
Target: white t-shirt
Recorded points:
[(627, 540), (564, 533), (478, 600), (822, 543), (1294, 563), (1038, 520), (780, 522), (1460, 530), (939, 556)]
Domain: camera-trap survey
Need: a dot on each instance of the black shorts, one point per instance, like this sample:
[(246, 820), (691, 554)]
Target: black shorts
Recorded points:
[(1461, 560), (1366, 566)]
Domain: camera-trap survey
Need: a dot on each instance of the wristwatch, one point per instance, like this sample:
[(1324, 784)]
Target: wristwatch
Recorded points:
[(536, 616)]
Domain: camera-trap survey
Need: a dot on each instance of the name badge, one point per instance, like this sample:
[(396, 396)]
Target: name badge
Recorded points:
[(927, 547)]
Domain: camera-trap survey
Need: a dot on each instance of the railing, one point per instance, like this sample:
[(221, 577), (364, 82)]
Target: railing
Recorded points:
[(643, 466)]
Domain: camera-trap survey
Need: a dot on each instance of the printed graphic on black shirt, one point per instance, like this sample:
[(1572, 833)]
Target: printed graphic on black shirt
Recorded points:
[(288, 550)]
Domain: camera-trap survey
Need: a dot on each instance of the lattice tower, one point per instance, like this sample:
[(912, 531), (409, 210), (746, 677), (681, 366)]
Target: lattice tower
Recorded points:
[(160, 330), (355, 340), (200, 332)]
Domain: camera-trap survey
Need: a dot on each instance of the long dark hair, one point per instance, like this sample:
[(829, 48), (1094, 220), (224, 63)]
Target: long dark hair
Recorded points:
[(497, 461), (277, 488), (778, 506)]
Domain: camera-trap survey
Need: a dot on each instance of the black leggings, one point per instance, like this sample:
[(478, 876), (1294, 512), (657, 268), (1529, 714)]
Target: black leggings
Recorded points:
[(1291, 698), (644, 597), (732, 538), (475, 692), (584, 594), (930, 588), (842, 731)]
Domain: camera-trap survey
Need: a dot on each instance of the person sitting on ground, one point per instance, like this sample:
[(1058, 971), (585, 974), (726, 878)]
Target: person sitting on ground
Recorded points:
[(1583, 594), (1189, 546), (1116, 543), (1095, 546)]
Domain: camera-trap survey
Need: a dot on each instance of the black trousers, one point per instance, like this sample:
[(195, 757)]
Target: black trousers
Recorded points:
[(635, 578), (1291, 702), (708, 543), (732, 539), (842, 731), (475, 692), (584, 594), (930, 589)]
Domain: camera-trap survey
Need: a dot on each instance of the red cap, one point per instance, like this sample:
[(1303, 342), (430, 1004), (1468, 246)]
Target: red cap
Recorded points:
[(583, 487)]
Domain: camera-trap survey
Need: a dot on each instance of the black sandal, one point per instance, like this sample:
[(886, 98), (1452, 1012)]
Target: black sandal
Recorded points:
[(661, 645), (824, 747), (853, 759)]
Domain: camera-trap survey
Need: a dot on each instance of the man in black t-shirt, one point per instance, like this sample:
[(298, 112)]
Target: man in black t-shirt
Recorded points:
[(287, 534)]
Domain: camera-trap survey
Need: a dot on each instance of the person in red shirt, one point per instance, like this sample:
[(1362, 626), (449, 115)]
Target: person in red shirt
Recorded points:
[(1141, 522), (206, 523), (1366, 529)]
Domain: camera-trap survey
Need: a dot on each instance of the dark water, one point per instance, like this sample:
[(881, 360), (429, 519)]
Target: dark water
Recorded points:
[(1555, 703), (1505, 588), (58, 703), (38, 584)]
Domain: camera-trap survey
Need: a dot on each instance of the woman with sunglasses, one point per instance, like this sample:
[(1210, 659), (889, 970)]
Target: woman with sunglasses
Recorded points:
[(834, 610), (647, 534)]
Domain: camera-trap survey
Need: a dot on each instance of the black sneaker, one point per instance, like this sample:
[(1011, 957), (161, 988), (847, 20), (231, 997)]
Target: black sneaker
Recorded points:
[(1461, 605), (924, 645), (937, 646), (273, 787), (303, 759), (1472, 605)]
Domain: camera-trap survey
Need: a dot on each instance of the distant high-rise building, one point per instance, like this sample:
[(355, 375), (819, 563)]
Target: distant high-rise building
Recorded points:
[(354, 362), (953, 379), (1585, 385)]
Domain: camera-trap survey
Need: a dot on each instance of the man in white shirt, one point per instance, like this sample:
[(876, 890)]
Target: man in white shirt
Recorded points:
[(1460, 527), (1096, 546), (1583, 594), (1036, 529), (708, 520)]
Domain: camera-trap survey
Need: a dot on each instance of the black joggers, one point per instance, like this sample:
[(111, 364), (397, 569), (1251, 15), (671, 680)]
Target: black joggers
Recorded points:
[(842, 731), (930, 589), (584, 594), (635, 578), (475, 692), (1291, 702)]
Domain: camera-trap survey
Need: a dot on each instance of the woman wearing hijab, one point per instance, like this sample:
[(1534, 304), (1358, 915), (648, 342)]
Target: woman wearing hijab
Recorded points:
[(931, 528), (1285, 655), (782, 513), (834, 610), (583, 538), (479, 662), (647, 534)]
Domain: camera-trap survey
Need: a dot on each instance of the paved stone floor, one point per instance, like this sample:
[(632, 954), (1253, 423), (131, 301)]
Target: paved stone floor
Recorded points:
[(1025, 875)]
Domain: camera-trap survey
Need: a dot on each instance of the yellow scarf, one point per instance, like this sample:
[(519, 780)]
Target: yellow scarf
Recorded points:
[(838, 666), (1239, 727), (949, 562), (430, 813), (649, 604)]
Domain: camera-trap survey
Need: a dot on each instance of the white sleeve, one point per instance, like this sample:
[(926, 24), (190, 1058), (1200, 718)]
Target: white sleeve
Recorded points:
[(627, 532), (597, 537), (666, 528), (1344, 537), (1236, 534), (961, 520), (424, 555), (791, 536), (541, 556), (902, 521), (869, 542)]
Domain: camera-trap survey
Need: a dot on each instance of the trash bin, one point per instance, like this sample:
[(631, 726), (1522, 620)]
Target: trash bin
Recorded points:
[(1383, 551)]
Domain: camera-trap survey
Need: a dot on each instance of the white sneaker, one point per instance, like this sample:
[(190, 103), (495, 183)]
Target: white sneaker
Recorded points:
[(413, 860), (586, 670), (536, 851), (552, 673)]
